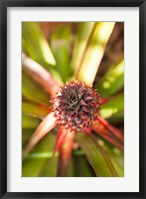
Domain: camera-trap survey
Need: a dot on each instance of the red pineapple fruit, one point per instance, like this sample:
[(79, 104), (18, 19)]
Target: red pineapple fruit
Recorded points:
[(76, 105)]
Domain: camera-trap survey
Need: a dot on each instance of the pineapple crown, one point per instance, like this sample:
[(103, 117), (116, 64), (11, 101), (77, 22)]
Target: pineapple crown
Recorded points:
[(76, 105)]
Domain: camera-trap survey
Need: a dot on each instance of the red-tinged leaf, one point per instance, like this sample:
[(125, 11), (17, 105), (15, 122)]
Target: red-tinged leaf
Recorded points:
[(65, 152), (100, 129), (103, 101), (59, 139), (39, 74), (88, 131), (48, 123), (112, 129)]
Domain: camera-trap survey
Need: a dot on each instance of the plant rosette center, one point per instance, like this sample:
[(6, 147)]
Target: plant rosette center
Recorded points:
[(76, 105)]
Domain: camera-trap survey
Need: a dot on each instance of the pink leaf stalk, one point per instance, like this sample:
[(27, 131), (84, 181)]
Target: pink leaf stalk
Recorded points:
[(101, 130), (47, 124), (65, 152), (40, 75), (119, 134), (59, 139)]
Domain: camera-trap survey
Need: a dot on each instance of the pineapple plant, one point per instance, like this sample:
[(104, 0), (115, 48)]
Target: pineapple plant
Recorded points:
[(72, 99)]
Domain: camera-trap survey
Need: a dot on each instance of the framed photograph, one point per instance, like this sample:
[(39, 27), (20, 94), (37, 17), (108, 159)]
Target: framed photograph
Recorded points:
[(72, 99)]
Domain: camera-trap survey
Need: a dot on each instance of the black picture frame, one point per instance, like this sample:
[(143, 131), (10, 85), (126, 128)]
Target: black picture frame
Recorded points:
[(4, 4)]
